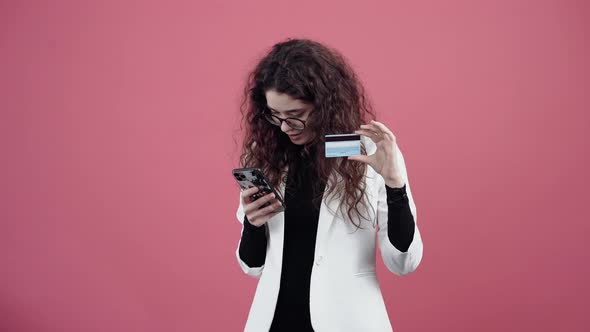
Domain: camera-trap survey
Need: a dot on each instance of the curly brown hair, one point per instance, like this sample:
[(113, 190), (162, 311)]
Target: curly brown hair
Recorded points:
[(318, 75)]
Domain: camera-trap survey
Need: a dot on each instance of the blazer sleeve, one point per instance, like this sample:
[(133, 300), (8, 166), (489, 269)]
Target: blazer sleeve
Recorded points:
[(253, 271), (398, 262)]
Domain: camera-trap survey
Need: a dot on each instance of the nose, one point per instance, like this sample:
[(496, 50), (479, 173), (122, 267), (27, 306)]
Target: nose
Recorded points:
[(285, 127)]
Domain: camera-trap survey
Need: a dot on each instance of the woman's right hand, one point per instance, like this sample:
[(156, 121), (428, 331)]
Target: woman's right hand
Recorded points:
[(255, 213)]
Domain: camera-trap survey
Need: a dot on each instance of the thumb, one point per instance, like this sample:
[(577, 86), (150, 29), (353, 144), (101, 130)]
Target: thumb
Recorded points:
[(361, 158)]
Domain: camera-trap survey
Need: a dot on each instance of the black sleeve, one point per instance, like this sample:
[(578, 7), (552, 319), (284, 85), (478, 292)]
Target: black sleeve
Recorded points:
[(400, 222), (253, 244)]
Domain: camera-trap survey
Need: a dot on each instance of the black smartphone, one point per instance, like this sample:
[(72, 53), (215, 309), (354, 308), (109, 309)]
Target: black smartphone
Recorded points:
[(253, 177)]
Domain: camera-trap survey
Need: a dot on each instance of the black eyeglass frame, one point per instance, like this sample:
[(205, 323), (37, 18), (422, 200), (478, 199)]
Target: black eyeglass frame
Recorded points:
[(268, 116)]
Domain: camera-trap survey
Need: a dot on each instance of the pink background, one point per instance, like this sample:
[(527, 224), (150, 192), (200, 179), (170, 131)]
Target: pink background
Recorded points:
[(117, 129)]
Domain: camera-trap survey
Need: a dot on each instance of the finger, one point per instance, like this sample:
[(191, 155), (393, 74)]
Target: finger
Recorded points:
[(267, 211), (371, 127), (371, 134), (375, 129), (246, 194), (384, 129), (384, 134), (250, 191), (361, 158), (254, 206), (262, 200)]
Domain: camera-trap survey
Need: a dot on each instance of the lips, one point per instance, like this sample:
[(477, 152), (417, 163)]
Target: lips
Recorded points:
[(294, 136)]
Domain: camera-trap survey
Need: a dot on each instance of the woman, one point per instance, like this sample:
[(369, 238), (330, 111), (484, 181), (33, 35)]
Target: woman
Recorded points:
[(316, 260)]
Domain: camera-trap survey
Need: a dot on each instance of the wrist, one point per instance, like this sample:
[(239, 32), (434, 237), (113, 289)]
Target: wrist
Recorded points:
[(396, 182)]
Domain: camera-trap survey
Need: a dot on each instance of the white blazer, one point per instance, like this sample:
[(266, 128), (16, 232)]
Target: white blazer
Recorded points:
[(344, 291)]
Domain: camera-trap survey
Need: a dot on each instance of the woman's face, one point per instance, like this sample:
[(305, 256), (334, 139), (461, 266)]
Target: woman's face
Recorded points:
[(283, 106)]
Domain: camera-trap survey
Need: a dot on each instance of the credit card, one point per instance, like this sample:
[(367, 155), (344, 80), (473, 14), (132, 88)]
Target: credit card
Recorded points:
[(343, 145)]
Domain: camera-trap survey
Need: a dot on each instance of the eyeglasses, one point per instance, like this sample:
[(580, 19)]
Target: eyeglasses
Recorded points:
[(294, 123)]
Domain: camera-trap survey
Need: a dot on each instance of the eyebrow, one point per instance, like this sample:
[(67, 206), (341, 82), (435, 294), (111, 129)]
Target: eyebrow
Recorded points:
[(289, 111)]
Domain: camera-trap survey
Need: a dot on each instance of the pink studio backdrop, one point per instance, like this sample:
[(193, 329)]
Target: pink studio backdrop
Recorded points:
[(118, 122)]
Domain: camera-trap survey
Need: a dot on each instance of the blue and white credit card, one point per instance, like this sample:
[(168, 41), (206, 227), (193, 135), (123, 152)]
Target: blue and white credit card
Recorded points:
[(343, 145)]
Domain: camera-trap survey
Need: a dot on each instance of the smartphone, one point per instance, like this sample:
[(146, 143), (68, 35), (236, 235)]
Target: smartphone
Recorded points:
[(253, 177)]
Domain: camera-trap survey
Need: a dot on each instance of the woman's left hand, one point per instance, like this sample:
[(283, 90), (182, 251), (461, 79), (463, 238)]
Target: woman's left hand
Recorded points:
[(384, 160)]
